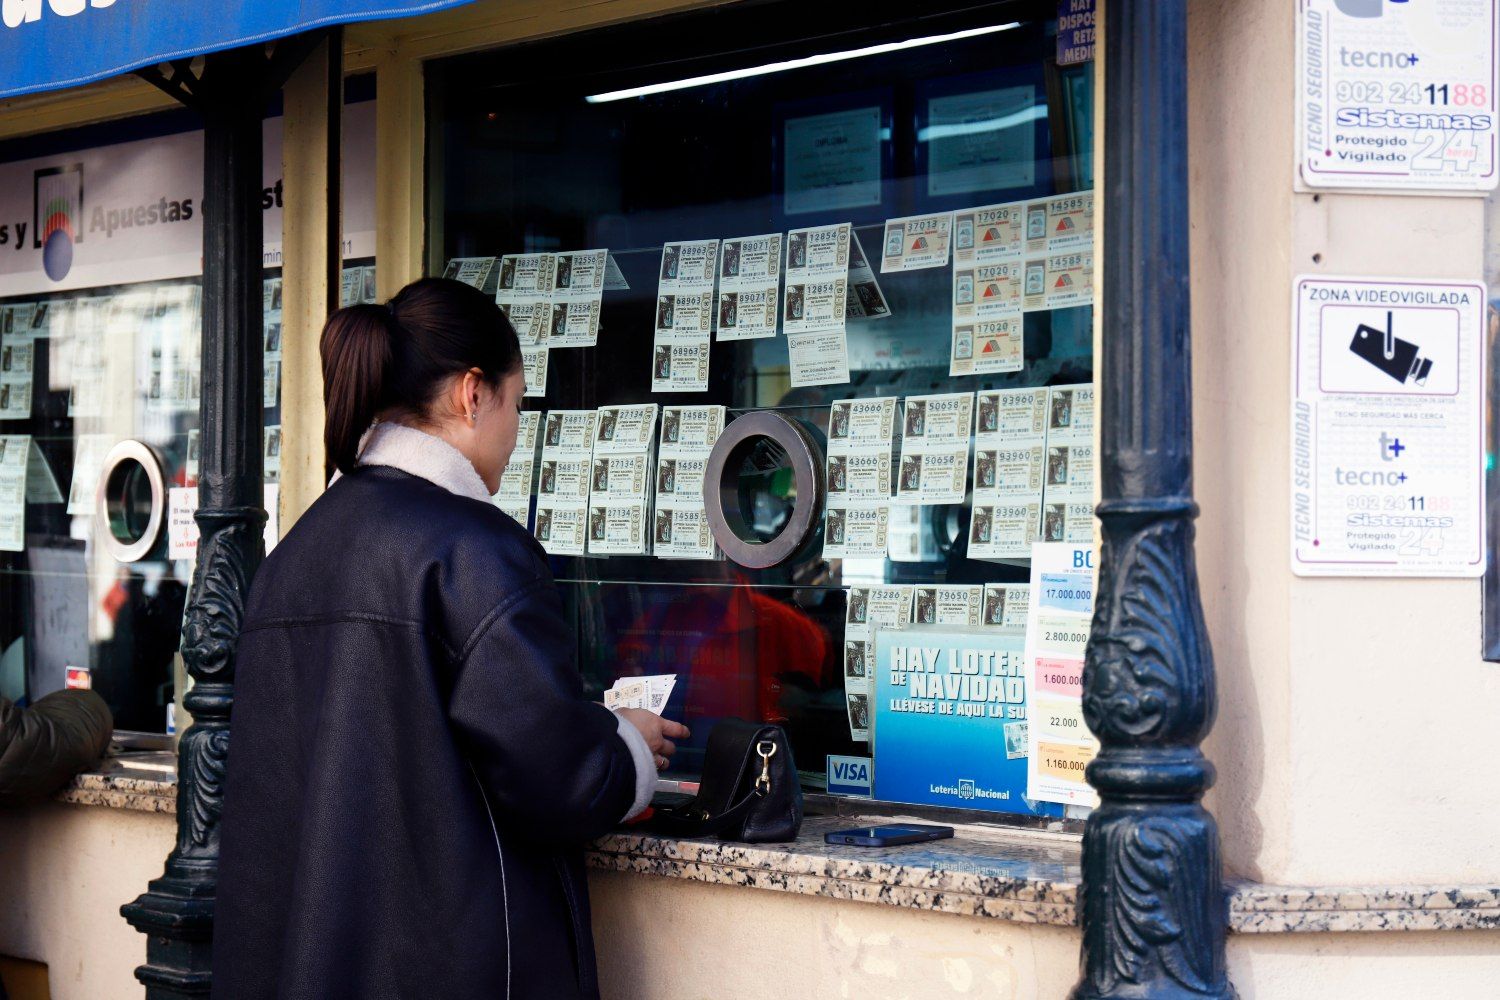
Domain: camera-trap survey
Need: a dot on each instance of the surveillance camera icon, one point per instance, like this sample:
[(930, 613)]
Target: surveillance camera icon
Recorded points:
[(1397, 358)]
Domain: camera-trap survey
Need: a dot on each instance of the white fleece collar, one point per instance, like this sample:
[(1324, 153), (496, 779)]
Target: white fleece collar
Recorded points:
[(423, 455)]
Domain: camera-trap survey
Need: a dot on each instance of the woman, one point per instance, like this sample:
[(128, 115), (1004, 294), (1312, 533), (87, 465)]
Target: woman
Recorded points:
[(414, 765)]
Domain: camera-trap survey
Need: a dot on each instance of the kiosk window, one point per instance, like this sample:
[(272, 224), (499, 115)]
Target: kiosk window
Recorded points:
[(100, 345), (863, 229)]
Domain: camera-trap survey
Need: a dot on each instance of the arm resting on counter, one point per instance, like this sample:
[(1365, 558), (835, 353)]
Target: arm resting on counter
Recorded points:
[(44, 746)]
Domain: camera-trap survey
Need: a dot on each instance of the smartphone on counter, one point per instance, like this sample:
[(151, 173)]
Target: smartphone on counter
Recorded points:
[(888, 836)]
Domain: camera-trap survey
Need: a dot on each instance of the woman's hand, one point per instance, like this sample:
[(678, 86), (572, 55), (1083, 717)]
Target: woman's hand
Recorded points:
[(658, 732)]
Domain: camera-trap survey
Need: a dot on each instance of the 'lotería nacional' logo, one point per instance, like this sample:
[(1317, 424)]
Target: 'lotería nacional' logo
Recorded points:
[(57, 216)]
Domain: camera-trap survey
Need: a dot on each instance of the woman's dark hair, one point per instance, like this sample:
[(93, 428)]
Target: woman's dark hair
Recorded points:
[(397, 356)]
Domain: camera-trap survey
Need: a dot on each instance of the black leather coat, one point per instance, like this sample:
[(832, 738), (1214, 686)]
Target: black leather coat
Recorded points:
[(412, 766)]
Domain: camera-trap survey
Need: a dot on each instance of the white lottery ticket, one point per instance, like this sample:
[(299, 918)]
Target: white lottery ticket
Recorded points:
[(681, 528), (935, 448), (749, 287), (916, 241)]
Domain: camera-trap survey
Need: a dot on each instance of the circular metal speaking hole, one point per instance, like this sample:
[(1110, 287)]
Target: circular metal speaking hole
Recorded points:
[(763, 489), (132, 501)]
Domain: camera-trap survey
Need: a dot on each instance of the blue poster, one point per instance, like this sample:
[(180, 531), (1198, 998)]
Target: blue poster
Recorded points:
[(950, 719)]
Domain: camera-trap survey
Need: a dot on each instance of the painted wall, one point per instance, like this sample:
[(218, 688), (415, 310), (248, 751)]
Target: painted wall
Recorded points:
[(66, 870), (1355, 724)]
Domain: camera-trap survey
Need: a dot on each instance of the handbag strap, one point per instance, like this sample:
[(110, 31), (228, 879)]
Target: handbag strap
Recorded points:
[(692, 820), (682, 823)]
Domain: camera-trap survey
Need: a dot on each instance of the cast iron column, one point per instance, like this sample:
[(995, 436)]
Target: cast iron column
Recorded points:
[(1153, 903), (177, 911)]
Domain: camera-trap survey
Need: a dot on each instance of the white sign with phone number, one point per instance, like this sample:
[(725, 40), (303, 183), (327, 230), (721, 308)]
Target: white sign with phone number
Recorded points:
[(1397, 94), (1387, 427)]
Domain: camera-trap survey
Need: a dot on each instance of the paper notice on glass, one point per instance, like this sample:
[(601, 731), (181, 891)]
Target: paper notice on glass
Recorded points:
[(856, 529), (349, 287), (470, 270), (514, 494), (618, 527), (749, 287), (968, 150), (860, 445), (270, 386), (820, 357), (679, 367), (987, 346), (16, 356), (41, 484), (861, 434), (625, 429), (14, 450), (863, 298), (619, 483), (989, 234), (1059, 281), (867, 609), (1006, 604), (1058, 619), (1070, 414), (685, 309), (832, 161), (817, 253), (524, 292), (577, 298), (1068, 502), (916, 241), (813, 307), (1010, 457), (15, 319), (271, 444), (534, 367), (614, 278), (182, 529), (935, 448), (563, 484), (681, 528), (950, 605), (987, 292), (88, 463), (1068, 221)]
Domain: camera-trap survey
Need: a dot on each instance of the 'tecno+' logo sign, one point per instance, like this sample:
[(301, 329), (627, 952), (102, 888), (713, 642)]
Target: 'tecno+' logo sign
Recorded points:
[(57, 216)]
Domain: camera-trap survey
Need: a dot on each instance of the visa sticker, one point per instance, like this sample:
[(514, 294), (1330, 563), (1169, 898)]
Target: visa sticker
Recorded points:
[(849, 775)]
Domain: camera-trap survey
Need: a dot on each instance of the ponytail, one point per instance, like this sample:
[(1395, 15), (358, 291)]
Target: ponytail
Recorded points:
[(357, 355), (398, 356)]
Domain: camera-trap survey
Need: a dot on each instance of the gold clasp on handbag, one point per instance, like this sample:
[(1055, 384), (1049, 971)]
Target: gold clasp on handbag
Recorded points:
[(767, 750)]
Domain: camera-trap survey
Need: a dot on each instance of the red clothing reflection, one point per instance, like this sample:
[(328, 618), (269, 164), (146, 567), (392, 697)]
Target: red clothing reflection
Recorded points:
[(735, 645)]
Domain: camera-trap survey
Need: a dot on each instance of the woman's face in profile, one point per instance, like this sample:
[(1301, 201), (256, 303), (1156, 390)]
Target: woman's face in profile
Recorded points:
[(495, 429)]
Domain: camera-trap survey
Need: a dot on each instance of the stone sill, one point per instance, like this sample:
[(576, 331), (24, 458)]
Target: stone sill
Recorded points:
[(1001, 873)]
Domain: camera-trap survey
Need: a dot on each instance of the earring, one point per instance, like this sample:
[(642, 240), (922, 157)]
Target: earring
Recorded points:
[(471, 417)]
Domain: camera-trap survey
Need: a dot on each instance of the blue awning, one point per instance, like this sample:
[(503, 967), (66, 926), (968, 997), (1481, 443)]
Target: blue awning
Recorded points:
[(52, 44)]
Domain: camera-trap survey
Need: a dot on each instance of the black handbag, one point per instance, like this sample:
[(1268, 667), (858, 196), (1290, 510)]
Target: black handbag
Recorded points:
[(749, 790)]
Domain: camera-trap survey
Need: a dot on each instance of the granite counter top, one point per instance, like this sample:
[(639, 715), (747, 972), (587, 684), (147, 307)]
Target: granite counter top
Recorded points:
[(1003, 873), (144, 781), (1031, 877)]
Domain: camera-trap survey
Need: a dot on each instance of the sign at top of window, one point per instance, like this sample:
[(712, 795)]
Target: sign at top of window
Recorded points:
[(1397, 94)]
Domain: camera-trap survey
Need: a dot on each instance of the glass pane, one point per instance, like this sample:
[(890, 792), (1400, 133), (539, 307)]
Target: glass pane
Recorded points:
[(100, 342), (798, 123)]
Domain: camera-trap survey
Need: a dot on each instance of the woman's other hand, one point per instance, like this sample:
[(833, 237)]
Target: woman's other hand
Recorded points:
[(659, 733)]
